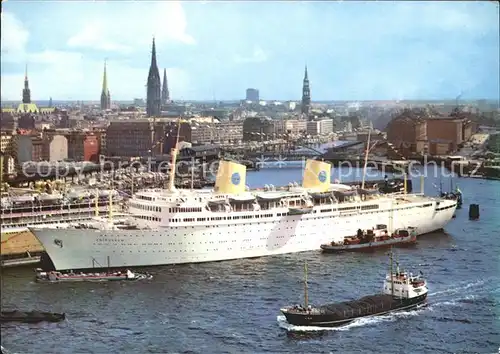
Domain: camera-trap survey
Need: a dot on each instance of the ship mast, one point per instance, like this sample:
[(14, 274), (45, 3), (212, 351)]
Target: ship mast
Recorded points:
[(192, 172), (392, 275), (97, 202), (110, 211), (171, 181), (366, 158), (306, 297)]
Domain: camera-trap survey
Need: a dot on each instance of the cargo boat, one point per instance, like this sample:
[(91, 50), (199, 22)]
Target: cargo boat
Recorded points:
[(58, 277), (370, 239), (401, 291)]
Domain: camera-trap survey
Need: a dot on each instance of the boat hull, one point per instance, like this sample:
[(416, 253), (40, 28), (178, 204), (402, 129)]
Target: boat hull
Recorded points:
[(98, 278), (271, 234), (333, 320), (31, 316), (328, 248)]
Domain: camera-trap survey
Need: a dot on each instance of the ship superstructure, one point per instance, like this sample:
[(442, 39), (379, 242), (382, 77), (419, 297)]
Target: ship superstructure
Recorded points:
[(230, 222)]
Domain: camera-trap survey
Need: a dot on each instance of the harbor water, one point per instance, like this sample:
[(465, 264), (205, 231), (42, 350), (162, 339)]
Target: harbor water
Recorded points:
[(233, 306)]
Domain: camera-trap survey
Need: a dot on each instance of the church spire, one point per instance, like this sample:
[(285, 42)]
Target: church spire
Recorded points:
[(104, 80), (306, 95), (153, 87), (26, 89), (165, 94), (105, 95)]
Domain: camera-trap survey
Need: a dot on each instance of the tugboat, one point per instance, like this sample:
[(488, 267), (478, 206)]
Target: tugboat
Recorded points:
[(58, 277), (374, 238), (402, 291)]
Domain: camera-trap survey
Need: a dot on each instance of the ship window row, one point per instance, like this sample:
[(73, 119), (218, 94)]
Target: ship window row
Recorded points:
[(426, 205), (184, 210), (218, 218), (369, 207), (347, 208), (150, 218), (147, 207), (444, 208), (143, 197)]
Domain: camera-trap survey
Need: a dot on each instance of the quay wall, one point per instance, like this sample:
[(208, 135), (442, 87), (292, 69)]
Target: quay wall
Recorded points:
[(17, 243)]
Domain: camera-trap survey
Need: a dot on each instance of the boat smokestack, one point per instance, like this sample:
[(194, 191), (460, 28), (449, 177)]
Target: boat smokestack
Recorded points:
[(231, 178), (317, 175)]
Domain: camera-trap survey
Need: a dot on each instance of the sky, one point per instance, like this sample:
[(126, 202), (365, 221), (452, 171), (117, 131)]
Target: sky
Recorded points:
[(216, 50)]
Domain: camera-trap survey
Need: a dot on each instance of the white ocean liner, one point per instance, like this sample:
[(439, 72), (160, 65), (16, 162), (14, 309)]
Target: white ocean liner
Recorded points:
[(183, 226)]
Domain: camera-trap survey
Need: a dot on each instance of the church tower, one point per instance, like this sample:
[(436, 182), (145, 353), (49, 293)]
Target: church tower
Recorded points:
[(153, 87), (165, 94), (105, 95), (306, 96), (26, 89)]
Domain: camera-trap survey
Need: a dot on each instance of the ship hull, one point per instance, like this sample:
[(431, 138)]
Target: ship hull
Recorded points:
[(270, 234), (333, 320), (368, 246)]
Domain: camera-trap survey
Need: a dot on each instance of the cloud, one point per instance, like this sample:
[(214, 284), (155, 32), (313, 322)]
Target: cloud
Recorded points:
[(131, 27), (371, 50), (258, 56), (69, 75), (14, 38), (91, 36)]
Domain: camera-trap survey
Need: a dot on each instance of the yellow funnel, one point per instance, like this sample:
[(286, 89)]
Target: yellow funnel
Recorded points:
[(317, 175), (231, 178)]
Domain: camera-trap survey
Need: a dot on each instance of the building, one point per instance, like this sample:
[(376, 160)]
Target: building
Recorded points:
[(105, 95), (28, 148), (7, 121), (165, 93), (313, 128), (6, 142), (145, 137), (7, 151), (54, 148), (306, 96), (130, 138), (258, 129), (319, 127), (217, 132), (252, 95), (408, 134), (412, 132), (83, 146), (153, 101), (453, 130), (326, 126), (26, 121)]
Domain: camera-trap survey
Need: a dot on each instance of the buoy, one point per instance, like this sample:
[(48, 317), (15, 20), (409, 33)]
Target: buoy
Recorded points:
[(474, 211)]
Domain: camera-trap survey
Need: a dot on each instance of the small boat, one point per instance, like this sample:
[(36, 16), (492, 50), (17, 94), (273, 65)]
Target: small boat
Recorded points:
[(31, 316), (58, 277), (401, 291), (374, 238)]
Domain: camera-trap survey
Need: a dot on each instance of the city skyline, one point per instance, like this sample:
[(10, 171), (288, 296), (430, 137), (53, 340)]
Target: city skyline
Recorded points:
[(353, 51)]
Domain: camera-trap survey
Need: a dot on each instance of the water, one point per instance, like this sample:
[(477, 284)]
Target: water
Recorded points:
[(233, 307)]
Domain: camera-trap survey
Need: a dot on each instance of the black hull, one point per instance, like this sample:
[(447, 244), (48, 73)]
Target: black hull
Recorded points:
[(334, 319), (31, 317)]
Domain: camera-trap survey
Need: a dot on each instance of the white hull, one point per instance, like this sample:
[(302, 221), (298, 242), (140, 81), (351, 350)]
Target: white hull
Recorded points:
[(233, 239)]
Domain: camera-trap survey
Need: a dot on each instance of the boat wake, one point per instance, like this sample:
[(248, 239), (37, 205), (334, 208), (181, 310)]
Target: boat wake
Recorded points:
[(437, 299), (361, 322)]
